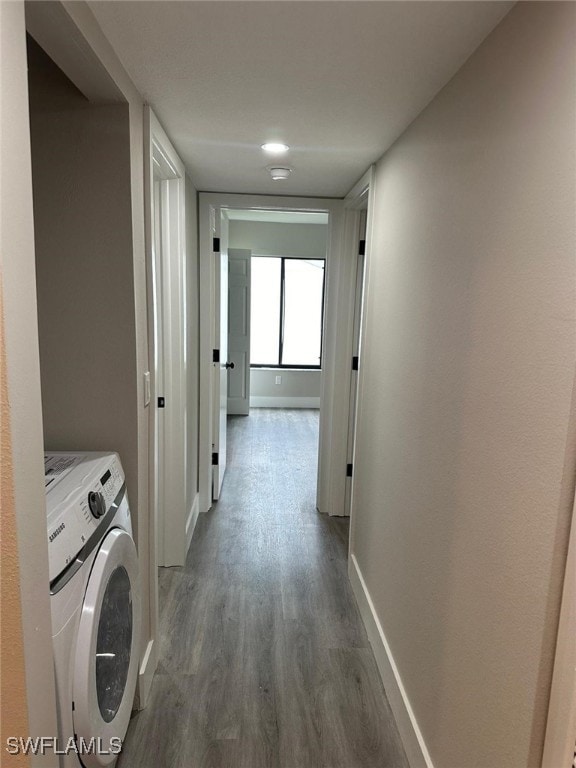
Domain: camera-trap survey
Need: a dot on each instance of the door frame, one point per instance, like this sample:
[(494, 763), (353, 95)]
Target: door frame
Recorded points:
[(219, 382), (358, 200), (361, 205), (338, 320), (162, 163)]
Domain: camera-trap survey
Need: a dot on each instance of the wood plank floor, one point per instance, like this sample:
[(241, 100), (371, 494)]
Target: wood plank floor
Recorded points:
[(264, 659)]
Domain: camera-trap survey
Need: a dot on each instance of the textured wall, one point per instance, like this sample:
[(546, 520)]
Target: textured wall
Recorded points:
[(12, 673), (464, 471)]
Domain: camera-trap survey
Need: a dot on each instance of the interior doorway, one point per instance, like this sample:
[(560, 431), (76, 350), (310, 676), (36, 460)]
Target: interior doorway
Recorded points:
[(219, 215), (273, 262)]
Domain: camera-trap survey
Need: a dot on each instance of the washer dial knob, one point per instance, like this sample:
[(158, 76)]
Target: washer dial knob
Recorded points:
[(96, 504)]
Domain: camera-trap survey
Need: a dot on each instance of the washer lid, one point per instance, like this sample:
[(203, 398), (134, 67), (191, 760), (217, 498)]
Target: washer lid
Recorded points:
[(107, 654)]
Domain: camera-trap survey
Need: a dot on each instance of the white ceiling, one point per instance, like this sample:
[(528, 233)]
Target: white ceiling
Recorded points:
[(336, 80)]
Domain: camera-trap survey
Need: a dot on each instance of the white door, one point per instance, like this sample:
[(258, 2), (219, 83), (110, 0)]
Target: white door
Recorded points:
[(165, 215), (158, 303), (355, 361), (220, 380), (239, 261)]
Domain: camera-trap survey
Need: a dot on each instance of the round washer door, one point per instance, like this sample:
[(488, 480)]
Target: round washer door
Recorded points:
[(106, 664)]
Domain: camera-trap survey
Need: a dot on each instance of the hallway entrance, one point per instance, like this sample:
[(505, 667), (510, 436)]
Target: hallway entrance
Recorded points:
[(264, 660)]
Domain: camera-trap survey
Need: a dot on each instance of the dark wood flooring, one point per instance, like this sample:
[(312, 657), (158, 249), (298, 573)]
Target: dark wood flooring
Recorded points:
[(264, 661)]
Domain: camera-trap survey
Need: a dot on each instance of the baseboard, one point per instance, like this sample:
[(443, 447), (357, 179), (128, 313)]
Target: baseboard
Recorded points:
[(284, 402), (146, 675), (192, 520), (412, 739)]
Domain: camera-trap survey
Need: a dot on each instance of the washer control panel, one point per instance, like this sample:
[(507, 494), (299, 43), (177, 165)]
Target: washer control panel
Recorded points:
[(80, 489)]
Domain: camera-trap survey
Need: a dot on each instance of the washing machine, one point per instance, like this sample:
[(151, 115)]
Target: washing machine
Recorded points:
[(95, 604)]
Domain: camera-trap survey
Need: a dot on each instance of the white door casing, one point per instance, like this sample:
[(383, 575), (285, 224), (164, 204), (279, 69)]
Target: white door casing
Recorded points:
[(239, 264), (360, 259), (220, 378), (359, 204), (164, 191), (338, 321)]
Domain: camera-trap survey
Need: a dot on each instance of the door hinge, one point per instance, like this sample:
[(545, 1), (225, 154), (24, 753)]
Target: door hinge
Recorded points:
[(216, 244), (215, 459), (161, 402), (349, 468), (362, 248), (355, 363), (215, 355)]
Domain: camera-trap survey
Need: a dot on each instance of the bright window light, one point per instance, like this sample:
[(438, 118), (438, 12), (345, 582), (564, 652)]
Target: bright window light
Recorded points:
[(265, 311), (286, 312), (303, 289)]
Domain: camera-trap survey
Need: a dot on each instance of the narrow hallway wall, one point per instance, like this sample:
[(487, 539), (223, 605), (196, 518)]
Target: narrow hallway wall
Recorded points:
[(464, 470)]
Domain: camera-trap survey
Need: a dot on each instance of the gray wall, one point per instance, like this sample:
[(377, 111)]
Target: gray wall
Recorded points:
[(272, 239), (297, 388), (84, 264), (464, 467)]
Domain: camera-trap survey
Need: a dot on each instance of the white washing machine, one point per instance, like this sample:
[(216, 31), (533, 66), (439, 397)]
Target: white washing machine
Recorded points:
[(95, 604)]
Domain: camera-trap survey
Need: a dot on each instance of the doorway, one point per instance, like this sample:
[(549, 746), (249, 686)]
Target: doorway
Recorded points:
[(277, 264)]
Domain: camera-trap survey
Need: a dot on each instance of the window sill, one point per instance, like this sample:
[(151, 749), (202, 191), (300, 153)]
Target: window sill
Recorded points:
[(284, 368)]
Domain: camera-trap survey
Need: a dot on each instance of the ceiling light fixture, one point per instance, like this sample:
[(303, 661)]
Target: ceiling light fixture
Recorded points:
[(280, 173), (275, 148)]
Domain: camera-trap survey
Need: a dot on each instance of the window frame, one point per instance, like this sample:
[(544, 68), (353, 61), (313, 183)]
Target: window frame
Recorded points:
[(280, 365)]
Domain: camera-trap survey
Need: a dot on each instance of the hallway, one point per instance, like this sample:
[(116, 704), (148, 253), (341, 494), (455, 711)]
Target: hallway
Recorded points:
[(264, 661)]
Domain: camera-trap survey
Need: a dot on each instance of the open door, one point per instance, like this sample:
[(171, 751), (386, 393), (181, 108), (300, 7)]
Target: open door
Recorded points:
[(220, 356), (239, 262)]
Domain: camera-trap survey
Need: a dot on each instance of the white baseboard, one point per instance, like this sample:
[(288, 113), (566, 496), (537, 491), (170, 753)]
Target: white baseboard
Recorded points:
[(192, 520), (284, 402), (412, 739), (145, 675)]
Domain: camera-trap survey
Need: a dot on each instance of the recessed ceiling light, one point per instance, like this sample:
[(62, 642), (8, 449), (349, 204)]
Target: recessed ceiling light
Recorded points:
[(280, 173), (275, 147)]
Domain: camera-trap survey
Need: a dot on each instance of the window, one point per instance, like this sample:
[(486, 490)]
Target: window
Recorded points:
[(287, 306)]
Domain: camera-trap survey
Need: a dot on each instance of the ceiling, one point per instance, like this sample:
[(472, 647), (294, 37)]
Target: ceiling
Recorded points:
[(338, 81)]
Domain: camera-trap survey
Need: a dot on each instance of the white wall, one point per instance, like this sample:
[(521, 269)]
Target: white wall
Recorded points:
[(27, 679), (298, 388), (464, 466)]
